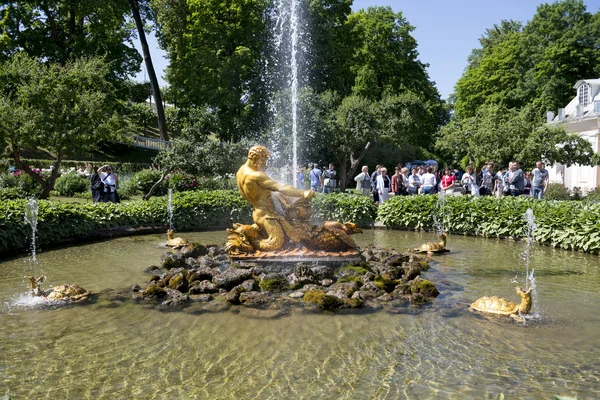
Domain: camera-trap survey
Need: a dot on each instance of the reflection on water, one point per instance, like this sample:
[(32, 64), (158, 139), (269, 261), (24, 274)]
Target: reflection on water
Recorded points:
[(114, 348)]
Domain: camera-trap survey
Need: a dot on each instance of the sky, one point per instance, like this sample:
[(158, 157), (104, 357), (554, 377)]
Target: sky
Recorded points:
[(446, 31)]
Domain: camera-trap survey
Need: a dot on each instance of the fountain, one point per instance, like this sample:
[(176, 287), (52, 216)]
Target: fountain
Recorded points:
[(529, 218), (31, 217), (170, 208)]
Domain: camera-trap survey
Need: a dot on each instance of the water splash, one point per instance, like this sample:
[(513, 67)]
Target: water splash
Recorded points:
[(439, 212), (170, 208), (31, 217), (526, 255)]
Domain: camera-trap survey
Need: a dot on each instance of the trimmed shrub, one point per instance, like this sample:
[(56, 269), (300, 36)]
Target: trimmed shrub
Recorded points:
[(12, 193), (566, 224), (345, 207), (181, 182), (557, 191), (69, 184), (142, 181), (60, 222)]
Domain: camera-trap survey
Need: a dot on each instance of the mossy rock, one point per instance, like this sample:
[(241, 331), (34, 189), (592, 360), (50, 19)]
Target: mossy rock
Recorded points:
[(279, 284), (424, 265), (331, 302), (154, 291), (314, 296), (354, 302), (385, 283), (351, 278), (359, 269), (424, 287), (178, 282)]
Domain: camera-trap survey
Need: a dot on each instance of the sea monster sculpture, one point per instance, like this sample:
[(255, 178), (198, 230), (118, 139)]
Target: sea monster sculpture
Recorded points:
[(175, 242), (502, 306), (281, 216), (433, 247), (74, 293)]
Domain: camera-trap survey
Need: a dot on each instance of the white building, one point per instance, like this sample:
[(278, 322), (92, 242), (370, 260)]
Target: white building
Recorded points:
[(581, 116)]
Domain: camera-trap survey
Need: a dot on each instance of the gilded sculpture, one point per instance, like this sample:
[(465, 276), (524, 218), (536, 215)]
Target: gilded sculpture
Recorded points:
[(502, 306), (281, 216), (433, 247)]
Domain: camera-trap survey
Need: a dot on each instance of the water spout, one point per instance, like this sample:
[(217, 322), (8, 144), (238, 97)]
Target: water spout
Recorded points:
[(31, 217), (170, 208), (531, 226)]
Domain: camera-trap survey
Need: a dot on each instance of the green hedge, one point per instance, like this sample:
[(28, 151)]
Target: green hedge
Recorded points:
[(345, 208), (565, 224), (63, 222), (192, 210)]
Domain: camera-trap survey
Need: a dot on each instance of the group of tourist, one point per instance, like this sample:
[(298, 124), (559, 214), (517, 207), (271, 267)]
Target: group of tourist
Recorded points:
[(511, 181), (321, 180)]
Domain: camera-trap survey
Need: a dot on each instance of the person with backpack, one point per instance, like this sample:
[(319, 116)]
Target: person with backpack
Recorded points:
[(96, 186)]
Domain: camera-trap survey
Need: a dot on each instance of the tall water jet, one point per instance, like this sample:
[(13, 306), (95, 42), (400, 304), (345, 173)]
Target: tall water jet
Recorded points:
[(170, 208), (31, 217), (530, 228), (439, 212), (287, 47)]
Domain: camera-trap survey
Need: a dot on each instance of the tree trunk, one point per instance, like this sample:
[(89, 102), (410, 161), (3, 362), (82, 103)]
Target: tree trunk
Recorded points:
[(160, 111), (149, 194), (355, 162), (48, 185)]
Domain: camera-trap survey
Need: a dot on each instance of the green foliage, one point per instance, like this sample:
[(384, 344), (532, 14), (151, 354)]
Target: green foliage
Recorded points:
[(12, 193), (181, 182), (537, 63), (142, 181), (345, 208), (59, 222), (60, 108), (557, 191), (203, 158), (566, 224), (71, 183)]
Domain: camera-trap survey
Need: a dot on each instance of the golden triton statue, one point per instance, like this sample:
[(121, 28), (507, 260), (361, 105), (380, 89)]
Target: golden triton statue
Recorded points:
[(281, 215)]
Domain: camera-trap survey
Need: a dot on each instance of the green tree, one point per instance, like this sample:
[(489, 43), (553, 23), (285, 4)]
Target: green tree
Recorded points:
[(62, 30), (63, 109), (216, 51)]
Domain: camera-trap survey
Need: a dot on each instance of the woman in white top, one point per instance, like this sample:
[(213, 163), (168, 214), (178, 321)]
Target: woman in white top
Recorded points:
[(469, 181), (428, 181), (363, 181), (384, 185), (110, 181), (413, 182)]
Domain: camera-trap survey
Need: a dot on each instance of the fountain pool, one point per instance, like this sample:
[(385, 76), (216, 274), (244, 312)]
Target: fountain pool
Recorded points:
[(115, 348)]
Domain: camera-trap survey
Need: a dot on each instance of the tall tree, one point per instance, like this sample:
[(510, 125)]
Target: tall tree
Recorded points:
[(160, 111), (59, 31), (60, 108)]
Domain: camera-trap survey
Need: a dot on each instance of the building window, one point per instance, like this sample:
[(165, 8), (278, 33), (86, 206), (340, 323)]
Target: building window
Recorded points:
[(584, 94)]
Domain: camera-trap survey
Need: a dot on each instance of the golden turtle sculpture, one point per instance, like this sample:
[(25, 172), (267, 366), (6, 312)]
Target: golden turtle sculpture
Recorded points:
[(175, 242), (74, 293), (433, 247), (502, 306)]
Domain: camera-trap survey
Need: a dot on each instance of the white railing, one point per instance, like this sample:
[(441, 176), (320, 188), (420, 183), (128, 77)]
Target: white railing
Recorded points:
[(149, 143)]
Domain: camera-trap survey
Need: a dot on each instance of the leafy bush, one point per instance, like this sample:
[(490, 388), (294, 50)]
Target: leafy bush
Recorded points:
[(8, 180), (345, 208), (557, 191), (120, 167), (12, 193), (69, 184), (142, 181), (593, 196), (566, 224), (181, 182), (60, 222)]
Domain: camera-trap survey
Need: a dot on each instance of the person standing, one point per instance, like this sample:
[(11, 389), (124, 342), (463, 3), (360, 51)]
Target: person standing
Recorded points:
[(363, 181), (374, 184), (316, 177), (96, 185), (383, 185), (300, 178), (539, 183), (398, 186), (110, 181), (414, 182), (428, 181), (515, 179), (329, 181), (448, 181), (488, 178), (469, 181)]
